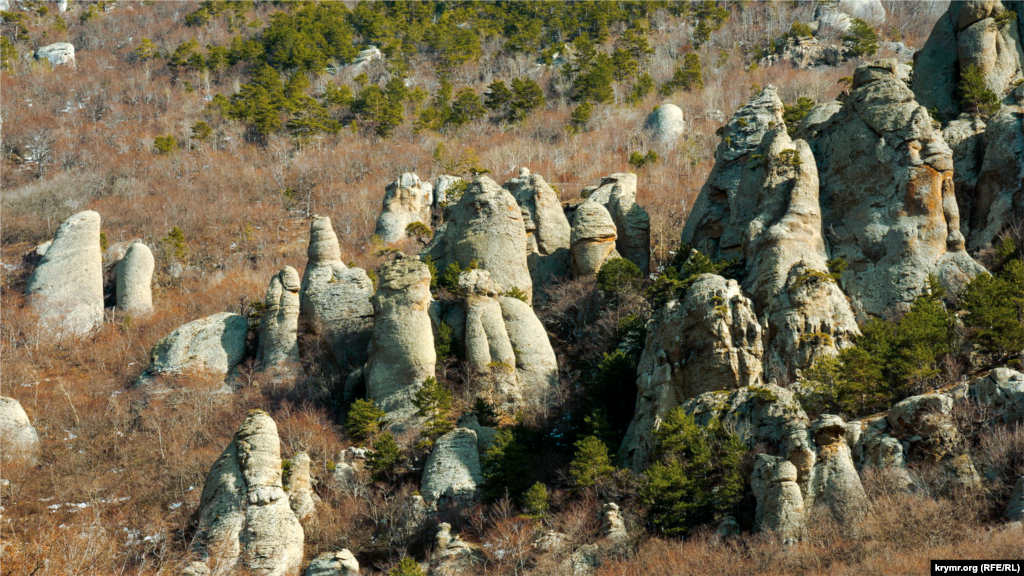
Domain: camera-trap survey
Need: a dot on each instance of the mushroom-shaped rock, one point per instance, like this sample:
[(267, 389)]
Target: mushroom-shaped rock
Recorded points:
[(547, 228), (780, 504), (720, 216), (788, 278), (886, 194), (617, 193), (709, 341), (215, 344), (835, 481), (1003, 390), (341, 563), (406, 200), (665, 124), (300, 491), (486, 226), (66, 289), (334, 300), (593, 239), (279, 327), (58, 54), (134, 282), (453, 469), (20, 442), (245, 519), (401, 353)]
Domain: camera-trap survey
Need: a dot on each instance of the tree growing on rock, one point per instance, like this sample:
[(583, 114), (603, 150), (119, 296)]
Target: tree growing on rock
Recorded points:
[(434, 402)]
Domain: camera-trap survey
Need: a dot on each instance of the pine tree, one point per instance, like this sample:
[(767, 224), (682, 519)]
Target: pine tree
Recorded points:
[(364, 419), (995, 310), (536, 500), (383, 461), (975, 95), (406, 567), (506, 467), (590, 464), (498, 97), (434, 402), (465, 108)]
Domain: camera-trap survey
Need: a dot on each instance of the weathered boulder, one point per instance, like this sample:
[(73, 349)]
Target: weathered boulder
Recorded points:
[(297, 483), (617, 193), (485, 435), (1015, 507), (998, 198), (787, 271), (838, 16), (547, 228), (486, 225), (406, 200), (58, 54), (453, 469), (886, 194), (20, 440), (780, 504), (710, 341), (720, 216), (665, 124), (442, 184), (134, 282), (485, 339), (341, 563), (245, 519), (279, 327), (453, 556), (535, 361), (66, 289), (835, 482), (809, 52), (334, 300), (969, 34), (593, 239), (612, 525), (1002, 390), (401, 352), (215, 344)]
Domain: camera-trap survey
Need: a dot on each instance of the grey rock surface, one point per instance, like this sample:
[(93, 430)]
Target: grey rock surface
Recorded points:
[(134, 282), (58, 54), (998, 199), (665, 124), (547, 228), (593, 239), (300, 490), (1002, 390), (780, 504), (215, 344), (20, 440), (341, 563), (279, 327), (406, 200), (617, 193), (535, 361), (453, 469), (835, 481)]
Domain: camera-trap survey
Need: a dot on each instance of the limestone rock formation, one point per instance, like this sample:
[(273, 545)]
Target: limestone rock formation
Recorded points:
[(835, 482), (593, 239), (1015, 507), (1003, 390), (406, 200), (401, 352), (214, 344), (547, 228), (453, 556), (886, 194), (612, 526), (341, 563), (780, 504), (442, 184), (710, 341), (838, 16), (535, 361), (485, 225), (787, 271), (665, 124), (58, 54), (279, 327), (66, 289), (195, 569), (998, 198), (334, 300), (245, 519), (617, 193), (485, 435), (453, 469), (300, 491), (720, 216), (334, 564), (966, 138), (134, 275), (20, 440), (485, 339), (810, 52), (968, 34)]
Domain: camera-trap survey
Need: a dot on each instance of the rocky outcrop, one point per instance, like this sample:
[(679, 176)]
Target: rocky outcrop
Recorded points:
[(665, 124), (341, 563), (926, 421), (134, 282), (442, 184), (401, 352), (215, 344), (452, 471), (66, 289), (720, 215), (453, 556), (998, 198), (970, 33), (838, 16), (613, 528), (886, 194), (58, 54), (780, 504), (593, 239), (535, 361), (709, 341), (20, 440), (787, 261), (279, 327), (809, 52), (617, 193), (297, 484), (835, 482), (486, 225), (334, 300), (1003, 391), (245, 519), (547, 228), (406, 200)]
